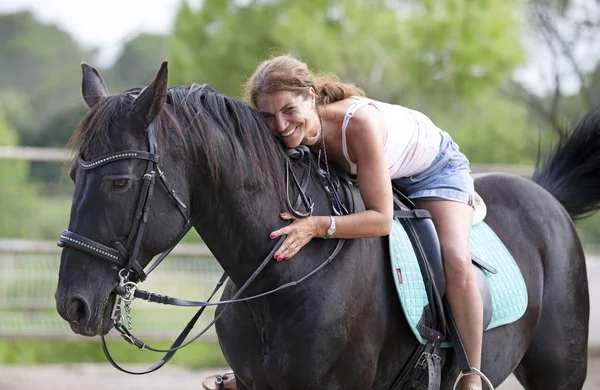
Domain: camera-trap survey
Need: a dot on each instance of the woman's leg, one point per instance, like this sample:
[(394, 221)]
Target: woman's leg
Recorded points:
[(453, 221)]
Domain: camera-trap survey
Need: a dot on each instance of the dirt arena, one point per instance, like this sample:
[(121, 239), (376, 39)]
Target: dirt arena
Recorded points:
[(103, 376)]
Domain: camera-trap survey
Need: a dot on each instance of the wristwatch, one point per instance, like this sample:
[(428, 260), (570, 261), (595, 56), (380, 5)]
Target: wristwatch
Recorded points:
[(331, 230)]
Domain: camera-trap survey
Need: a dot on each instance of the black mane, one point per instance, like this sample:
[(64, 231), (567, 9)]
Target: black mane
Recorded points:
[(225, 128)]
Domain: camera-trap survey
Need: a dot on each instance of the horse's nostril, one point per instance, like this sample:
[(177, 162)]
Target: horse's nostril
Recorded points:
[(76, 311)]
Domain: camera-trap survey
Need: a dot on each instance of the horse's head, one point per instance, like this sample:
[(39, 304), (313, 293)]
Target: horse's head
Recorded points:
[(122, 202)]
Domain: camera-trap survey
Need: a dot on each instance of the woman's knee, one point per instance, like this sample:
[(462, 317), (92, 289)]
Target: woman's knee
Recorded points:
[(457, 262)]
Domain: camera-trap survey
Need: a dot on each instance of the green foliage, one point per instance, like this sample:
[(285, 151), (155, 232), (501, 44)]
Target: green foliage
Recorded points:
[(491, 130), (38, 62), (462, 47), (56, 131), (138, 63), (32, 52), (589, 233), (31, 352), (51, 217), (18, 197), (443, 48), (446, 58)]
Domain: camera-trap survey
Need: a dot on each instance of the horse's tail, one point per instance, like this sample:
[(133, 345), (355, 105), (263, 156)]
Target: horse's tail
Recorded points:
[(571, 172)]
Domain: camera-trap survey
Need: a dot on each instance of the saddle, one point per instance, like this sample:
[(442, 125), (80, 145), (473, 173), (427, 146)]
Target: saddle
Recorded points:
[(436, 324), (423, 236)]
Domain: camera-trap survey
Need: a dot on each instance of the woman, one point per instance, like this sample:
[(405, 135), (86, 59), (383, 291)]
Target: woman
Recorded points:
[(376, 141)]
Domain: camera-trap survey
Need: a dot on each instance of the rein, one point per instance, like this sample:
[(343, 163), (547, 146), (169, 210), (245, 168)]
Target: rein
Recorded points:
[(125, 256)]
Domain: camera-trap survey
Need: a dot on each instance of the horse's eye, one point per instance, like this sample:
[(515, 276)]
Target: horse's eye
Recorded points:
[(121, 183)]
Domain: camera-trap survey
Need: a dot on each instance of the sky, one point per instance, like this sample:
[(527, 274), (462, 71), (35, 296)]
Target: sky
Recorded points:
[(105, 24)]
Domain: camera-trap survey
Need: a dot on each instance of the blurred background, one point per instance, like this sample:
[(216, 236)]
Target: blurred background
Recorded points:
[(504, 77)]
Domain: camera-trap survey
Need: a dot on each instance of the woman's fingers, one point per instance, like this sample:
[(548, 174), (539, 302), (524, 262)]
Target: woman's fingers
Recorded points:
[(286, 230), (289, 248), (298, 233)]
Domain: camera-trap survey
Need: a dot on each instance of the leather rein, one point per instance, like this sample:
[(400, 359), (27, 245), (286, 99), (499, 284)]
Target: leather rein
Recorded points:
[(131, 272)]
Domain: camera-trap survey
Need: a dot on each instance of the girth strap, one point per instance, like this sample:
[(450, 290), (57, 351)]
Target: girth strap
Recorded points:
[(423, 366)]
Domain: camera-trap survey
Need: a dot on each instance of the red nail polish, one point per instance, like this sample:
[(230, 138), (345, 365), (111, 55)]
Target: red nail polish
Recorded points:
[(272, 235), (282, 214), (287, 257), (277, 257)]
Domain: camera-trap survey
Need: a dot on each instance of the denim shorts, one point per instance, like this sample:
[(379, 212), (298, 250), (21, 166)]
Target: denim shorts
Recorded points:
[(447, 178)]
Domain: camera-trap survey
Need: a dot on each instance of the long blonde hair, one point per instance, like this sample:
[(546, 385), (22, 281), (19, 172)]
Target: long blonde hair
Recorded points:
[(287, 73)]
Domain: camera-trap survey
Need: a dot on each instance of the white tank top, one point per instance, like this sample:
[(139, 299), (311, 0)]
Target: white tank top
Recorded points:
[(412, 140)]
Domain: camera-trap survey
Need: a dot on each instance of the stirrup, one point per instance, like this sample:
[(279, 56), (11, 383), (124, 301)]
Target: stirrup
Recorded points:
[(473, 371), (218, 381)]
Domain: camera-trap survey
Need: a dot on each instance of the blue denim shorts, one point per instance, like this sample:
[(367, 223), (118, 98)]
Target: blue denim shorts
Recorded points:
[(447, 178)]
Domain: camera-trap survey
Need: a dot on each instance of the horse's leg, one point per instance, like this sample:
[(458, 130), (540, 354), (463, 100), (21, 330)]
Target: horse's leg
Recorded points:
[(557, 356)]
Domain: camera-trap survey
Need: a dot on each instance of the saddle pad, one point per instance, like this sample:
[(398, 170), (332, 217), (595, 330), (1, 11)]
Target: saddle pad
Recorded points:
[(509, 293)]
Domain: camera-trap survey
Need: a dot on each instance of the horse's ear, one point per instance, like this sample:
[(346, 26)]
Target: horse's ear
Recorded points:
[(151, 100), (92, 86)]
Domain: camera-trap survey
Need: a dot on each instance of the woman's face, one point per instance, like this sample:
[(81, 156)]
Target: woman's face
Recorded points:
[(291, 117)]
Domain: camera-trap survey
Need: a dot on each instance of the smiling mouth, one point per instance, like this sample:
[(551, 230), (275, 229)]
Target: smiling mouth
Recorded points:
[(288, 133)]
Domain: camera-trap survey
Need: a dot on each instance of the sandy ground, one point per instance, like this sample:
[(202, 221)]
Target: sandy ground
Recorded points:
[(104, 376)]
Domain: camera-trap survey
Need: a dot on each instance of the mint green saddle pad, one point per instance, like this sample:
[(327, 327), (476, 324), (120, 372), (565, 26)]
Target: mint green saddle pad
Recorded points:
[(509, 293)]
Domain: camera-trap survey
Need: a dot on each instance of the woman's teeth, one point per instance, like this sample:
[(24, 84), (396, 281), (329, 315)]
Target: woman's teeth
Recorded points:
[(288, 133)]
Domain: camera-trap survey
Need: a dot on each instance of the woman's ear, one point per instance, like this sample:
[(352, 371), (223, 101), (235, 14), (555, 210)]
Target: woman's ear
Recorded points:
[(312, 96)]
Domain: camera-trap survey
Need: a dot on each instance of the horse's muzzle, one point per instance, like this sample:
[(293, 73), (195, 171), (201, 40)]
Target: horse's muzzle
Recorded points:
[(77, 311)]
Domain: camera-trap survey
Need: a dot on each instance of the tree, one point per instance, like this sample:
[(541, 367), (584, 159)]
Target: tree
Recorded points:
[(441, 49), (38, 63), (565, 33), (491, 129), (18, 197), (138, 62), (442, 57)]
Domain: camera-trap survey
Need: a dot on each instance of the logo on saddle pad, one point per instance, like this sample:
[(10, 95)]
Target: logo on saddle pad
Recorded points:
[(399, 273)]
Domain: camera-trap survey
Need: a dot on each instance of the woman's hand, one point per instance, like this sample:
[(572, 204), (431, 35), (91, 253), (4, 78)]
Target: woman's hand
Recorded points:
[(299, 233)]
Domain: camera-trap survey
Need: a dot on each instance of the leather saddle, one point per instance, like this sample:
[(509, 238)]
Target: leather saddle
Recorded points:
[(423, 236)]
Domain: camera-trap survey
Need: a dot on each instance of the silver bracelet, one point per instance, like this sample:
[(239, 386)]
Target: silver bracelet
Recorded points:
[(331, 229)]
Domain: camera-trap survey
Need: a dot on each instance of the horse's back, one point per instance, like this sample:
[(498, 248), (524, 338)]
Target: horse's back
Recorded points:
[(531, 223)]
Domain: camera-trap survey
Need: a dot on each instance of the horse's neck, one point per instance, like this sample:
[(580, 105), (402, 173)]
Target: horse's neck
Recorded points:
[(236, 225)]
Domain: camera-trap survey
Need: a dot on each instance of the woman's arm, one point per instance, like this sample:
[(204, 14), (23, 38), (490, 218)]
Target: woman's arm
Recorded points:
[(365, 138)]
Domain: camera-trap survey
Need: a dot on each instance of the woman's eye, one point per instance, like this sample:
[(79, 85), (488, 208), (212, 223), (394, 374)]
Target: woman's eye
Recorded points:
[(270, 121), (288, 109), (121, 183)]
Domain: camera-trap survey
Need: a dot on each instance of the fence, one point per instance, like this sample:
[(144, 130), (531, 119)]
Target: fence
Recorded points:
[(60, 155), (28, 278), (29, 269)]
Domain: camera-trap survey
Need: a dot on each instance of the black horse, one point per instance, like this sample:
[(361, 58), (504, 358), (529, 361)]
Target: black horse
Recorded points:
[(343, 327)]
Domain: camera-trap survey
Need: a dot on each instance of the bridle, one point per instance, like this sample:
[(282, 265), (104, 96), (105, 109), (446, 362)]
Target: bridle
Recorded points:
[(126, 256), (131, 272)]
